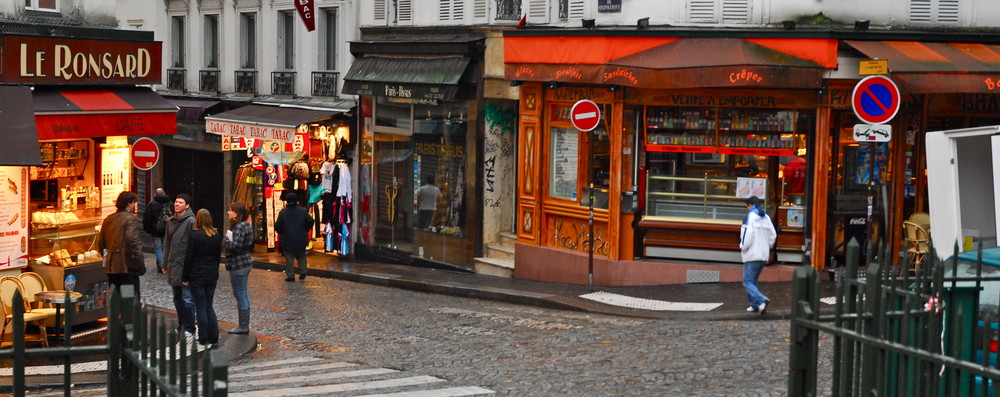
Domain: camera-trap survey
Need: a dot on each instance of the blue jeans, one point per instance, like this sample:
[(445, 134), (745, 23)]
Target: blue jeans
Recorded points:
[(208, 323), (239, 282), (158, 248), (184, 304), (290, 257), (751, 272)]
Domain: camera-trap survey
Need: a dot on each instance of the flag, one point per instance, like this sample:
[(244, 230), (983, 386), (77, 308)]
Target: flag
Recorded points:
[(305, 8), (522, 22)]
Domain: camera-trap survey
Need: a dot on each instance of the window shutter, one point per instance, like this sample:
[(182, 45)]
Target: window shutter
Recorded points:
[(444, 10), (458, 10), (479, 9), (379, 11), (701, 11), (934, 11), (576, 9), (920, 10), (948, 11), (736, 11), (538, 11), (404, 11)]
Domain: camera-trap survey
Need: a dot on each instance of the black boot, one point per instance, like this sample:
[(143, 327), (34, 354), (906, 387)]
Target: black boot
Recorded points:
[(244, 327)]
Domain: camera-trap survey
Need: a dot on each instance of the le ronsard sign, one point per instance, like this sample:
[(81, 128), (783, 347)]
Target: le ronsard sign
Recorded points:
[(32, 60)]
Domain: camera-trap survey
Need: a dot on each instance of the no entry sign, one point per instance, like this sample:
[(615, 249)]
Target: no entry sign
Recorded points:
[(145, 154), (875, 99), (585, 115)]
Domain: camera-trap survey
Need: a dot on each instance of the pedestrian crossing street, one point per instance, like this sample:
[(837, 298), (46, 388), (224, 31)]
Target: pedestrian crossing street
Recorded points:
[(313, 376)]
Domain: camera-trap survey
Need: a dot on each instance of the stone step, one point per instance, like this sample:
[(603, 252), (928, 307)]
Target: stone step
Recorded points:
[(507, 239), (494, 267), (499, 251)]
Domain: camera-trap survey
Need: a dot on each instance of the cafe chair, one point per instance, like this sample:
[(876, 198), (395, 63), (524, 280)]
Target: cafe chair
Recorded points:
[(9, 286), (922, 219), (33, 284), (918, 242)]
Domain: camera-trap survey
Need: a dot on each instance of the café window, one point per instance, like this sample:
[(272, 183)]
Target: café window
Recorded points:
[(577, 159), (702, 163)]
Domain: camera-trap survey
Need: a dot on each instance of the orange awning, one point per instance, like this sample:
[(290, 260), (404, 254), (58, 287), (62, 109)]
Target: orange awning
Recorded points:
[(919, 67), (670, 62)]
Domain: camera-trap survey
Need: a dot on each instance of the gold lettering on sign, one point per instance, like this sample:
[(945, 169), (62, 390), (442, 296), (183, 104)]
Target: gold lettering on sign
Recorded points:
[(990, 84), (571, 72), (69, 64), (524, 71)]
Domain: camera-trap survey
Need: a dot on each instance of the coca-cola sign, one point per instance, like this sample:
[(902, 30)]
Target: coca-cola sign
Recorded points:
[(38, 60)]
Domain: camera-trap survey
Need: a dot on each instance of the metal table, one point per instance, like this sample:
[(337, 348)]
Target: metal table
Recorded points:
[(58, 298)]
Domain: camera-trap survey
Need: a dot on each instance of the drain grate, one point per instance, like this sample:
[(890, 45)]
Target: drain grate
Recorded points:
[(703, 276), (648, 304)]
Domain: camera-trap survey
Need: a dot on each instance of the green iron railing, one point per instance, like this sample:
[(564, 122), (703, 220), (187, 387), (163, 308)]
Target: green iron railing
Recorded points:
[(145, 358), (895, 333)]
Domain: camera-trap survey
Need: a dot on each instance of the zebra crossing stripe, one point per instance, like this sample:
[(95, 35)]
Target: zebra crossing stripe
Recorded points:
[(286, 370), (326, 376), (342, 387), (447, 392), (296, 360)]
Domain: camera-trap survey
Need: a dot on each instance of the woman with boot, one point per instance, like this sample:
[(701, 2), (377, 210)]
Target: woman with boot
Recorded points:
[(239, 243), (201, 275)]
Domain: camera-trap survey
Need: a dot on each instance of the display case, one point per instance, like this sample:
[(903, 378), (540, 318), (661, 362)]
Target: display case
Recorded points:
[(766, 132), (72, 230), (706, 197), (686, 130)]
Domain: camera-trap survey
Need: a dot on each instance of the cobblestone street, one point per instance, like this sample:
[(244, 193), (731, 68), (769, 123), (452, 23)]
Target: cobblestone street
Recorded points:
[(510, 349)]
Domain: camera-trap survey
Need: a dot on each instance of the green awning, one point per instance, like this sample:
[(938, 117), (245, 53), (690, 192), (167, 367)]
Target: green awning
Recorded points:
[(434, 78)]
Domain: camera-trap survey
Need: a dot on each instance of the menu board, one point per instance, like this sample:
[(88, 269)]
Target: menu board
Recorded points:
[(565, 163), (115, 177), (13, 217)]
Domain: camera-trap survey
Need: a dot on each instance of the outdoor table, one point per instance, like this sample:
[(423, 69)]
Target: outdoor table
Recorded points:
[(58, 298)]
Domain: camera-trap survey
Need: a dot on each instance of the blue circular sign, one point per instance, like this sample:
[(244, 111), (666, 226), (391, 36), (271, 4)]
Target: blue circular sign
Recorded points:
[(875, 99)]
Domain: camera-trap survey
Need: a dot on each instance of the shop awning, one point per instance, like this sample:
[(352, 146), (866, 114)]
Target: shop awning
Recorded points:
[(269, 123), (89, 113), (20, 140), (430, 78), (671, 62), (919, 67), (190, 110)]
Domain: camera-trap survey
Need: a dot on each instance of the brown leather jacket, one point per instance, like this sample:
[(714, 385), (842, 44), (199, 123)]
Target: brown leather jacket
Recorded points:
[(120, 236)]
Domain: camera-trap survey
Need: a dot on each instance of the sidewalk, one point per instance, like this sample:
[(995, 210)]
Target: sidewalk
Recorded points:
[(713, 301)]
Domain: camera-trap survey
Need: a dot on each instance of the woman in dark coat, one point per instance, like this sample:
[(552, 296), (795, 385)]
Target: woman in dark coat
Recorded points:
[(201, 274)]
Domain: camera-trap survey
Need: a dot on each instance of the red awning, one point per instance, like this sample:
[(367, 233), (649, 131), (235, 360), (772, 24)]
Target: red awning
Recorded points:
[(670, 62), (937, 67), (83, 113)]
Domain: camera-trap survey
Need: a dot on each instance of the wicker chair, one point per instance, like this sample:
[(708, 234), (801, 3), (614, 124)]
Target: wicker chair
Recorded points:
[(9, 286), (918, 242)]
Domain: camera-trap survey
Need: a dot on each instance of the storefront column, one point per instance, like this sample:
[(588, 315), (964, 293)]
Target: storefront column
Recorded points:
[(821, 186)]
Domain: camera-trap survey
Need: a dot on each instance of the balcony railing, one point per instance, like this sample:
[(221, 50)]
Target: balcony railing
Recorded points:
[(208, 81), (246, 82), (175, 79), (283, 83), (325, 83)]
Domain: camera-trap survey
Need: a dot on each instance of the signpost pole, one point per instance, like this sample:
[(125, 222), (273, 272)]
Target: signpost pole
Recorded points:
[(869, 230), (590, 241)]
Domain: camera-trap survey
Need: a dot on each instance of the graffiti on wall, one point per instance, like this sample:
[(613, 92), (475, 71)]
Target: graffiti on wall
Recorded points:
[(499, 155)]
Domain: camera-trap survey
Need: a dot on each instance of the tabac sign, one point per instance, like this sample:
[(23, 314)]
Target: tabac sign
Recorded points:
[(35, 60)]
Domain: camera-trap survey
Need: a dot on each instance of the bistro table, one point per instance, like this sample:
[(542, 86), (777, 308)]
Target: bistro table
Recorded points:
[(58, 298)]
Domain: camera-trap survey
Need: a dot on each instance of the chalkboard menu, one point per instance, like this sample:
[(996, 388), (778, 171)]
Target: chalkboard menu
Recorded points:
[(565, 162)]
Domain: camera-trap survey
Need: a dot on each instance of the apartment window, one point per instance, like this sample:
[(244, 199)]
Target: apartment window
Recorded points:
[(286, 40), (177, 49), (328, 27), (48, 5), (248, 40), (211, 35)]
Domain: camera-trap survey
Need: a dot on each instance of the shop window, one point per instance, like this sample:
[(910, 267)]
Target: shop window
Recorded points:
[(328, 26), (393, 118), (248, 40), (44, 5), (578, 159), (702, 163), (439, 157), (177, 35), (286, 40), (211, 35)]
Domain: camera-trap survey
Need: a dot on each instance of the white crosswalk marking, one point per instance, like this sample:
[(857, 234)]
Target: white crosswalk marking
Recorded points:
[(315, 375)]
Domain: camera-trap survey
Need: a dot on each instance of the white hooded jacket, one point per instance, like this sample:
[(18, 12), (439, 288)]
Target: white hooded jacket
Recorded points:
[(757, 236)]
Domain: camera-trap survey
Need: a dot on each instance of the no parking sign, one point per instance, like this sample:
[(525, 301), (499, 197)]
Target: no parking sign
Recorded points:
[(875, 99)]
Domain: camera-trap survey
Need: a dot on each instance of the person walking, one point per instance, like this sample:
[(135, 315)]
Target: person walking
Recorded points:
[(293, 226), (201, 275), (757, 236), (239, 244), (175, 247), (121, 244), (151, 216)]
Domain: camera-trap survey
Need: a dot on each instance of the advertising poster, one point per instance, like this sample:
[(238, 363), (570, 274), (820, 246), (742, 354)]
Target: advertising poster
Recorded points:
[(13, 218), (115, 177)]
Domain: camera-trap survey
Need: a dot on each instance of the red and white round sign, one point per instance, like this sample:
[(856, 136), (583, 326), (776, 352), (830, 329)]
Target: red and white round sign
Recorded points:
[(145, 154), (585, 115)]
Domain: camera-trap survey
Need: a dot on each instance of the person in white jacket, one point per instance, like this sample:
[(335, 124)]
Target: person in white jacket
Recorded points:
[(757, 236)]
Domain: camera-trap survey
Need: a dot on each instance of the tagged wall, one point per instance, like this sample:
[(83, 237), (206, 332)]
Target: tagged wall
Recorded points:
[(499, 172)]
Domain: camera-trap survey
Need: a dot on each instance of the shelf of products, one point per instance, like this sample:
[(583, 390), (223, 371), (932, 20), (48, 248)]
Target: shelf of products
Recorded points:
[(680, 130), (62, 159), (769, 132)]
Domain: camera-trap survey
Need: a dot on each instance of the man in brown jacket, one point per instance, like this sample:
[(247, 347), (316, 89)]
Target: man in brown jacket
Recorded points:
[(119, 240)]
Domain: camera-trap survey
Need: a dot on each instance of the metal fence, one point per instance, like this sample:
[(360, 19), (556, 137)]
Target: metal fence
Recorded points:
[(144, 357), (896, 332)]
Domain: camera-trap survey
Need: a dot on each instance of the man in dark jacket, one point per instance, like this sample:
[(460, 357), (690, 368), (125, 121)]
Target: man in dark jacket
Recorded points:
[(119, 240), (156, 206), (175, 247), (293, 226)]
